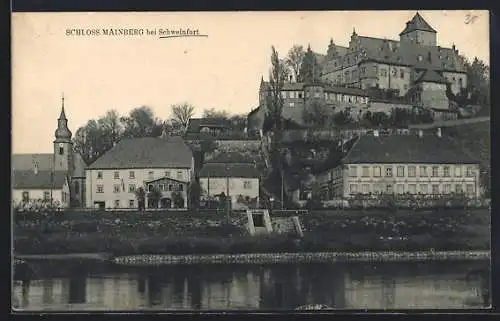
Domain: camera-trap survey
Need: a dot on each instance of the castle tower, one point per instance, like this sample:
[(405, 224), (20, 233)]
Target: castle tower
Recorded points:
[(418, 31), (63, 147)]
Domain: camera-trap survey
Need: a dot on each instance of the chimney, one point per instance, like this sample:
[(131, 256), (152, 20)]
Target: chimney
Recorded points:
[(375, 133), (439, 134), (420, 133)]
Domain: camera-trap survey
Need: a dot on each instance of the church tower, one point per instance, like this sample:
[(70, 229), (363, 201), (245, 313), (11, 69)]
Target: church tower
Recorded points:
[(63, 146), (419, 32)]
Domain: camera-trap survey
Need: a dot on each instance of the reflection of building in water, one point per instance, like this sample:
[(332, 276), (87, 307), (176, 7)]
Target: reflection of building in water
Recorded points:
[(401, 292)]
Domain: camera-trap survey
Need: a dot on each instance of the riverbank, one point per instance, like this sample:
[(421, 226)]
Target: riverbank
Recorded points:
[(188, 234), (301, 258)]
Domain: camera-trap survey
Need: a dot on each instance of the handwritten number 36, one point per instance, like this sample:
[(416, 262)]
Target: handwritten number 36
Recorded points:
[(470, 18)]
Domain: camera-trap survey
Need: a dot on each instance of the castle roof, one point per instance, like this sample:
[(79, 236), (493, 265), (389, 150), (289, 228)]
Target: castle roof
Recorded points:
[(430, 76), (326, 87), (417, 23), (146, 152), (62, 132), (428, 149)]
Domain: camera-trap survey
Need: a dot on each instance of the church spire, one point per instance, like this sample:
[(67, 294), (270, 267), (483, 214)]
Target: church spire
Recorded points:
[(62, 132)]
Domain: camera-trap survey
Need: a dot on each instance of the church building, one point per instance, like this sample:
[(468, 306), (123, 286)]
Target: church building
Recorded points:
[(56, 178)]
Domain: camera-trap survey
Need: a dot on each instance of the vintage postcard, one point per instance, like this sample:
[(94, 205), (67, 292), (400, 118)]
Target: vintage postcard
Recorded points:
[(251, 161)]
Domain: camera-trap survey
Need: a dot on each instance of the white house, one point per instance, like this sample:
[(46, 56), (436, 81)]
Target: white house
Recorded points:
[(114, 177), (34, 186)]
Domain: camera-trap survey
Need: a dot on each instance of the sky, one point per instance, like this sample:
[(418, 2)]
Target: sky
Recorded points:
[(223, 70)]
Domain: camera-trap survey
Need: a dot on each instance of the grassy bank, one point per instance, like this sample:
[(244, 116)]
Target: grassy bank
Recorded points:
[(183, 233)]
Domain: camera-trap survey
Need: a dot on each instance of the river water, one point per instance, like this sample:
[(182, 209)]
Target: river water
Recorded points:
[(252, 287)]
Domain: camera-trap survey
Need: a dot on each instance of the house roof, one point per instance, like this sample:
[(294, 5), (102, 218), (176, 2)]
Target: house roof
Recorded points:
[(430, 76), (146, 152), (165, 178), (429, 149), (233, 157), (195, 124), (27, 161), (229, 170), (27, 179), (417, 23)]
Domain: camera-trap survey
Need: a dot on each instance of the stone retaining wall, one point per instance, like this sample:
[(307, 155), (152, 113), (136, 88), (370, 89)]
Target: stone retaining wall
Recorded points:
[(283, 258)]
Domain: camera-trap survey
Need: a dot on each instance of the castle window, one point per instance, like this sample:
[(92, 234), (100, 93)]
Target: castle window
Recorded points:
[(116, 175), (100, 189), (402, 73), (131, 174), (61, 150), (46, 196), (300, 95), (77, 187)]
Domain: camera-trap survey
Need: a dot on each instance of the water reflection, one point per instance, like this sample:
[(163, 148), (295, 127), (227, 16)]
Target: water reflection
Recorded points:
[(255, 287)]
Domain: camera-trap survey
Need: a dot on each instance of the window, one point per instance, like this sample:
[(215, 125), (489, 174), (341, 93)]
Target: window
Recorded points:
[(435, 189), (116, 188), (402, 73), (77, 187), (291, 104), (388, 172), (470, 189), (458, 188), (131, 188), (131, 203), (167, 174), (300, 95), (400, 188), (420, 57), (161, 187), (116, 175), (389, 189), (283, 94), (363, 70), (179, 174), (170, 187), (117, 203), (61, 150), (150, 187), (458, 171), (131, 174), (353, 188), (411, 171), (365, 188), (46, 196), (446, 171), (412, 188), (435, 171), (99, 175), (247, 184), (353, 171), (181, 187), (401, 171), (383, 72), (423, 189), (100, 189), (376, 171), (375, 69), (365, 171), (447, 188), (470, 171), (423, 171)]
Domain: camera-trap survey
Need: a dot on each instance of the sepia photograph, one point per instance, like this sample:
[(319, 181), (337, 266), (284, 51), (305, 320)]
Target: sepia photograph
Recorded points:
[(250, 161)]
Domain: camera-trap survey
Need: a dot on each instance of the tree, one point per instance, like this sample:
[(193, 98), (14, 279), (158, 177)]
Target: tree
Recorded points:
[(294, 59), (310, 70), (140, 195), (215, 114), (95, 138), (478, 83), (194, 193), (181, 113), (154, 196), (141, 123), (238, 122), (316, 113)]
